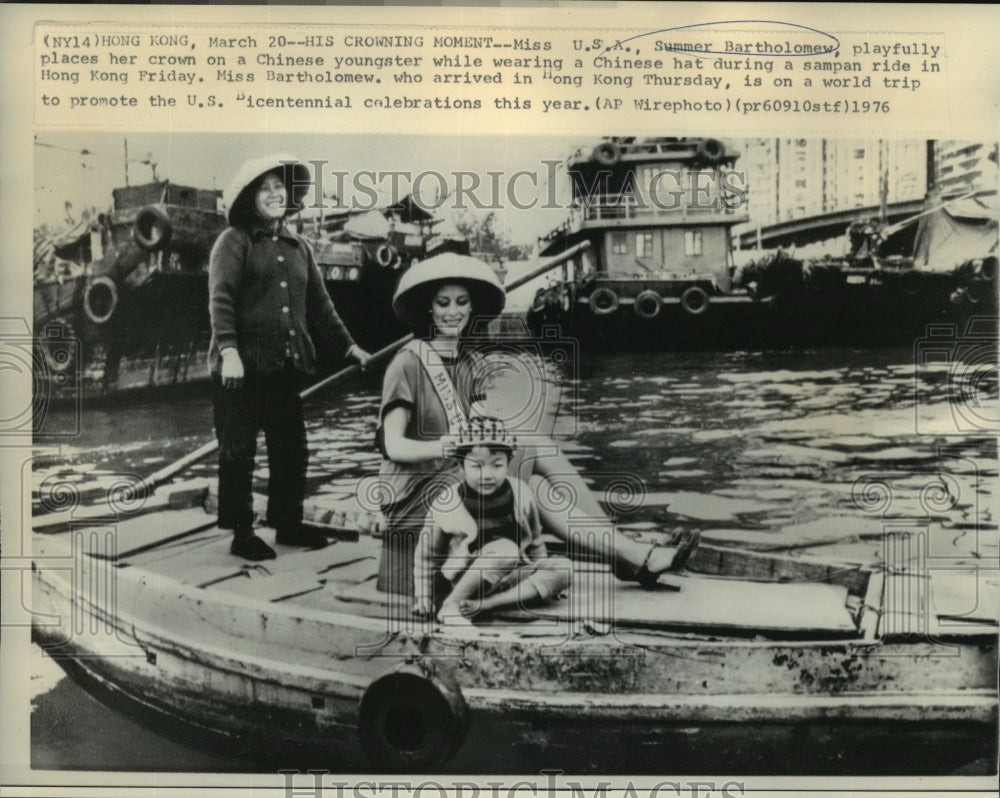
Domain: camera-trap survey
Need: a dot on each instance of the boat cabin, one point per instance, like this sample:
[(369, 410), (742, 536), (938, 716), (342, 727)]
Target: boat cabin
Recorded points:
[(654, 206)]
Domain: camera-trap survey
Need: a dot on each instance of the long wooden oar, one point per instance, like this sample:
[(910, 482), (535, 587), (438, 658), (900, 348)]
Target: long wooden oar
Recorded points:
[(169, 472)]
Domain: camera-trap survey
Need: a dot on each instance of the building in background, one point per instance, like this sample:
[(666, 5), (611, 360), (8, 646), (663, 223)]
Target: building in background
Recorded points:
[(963, 167), (793, 178)]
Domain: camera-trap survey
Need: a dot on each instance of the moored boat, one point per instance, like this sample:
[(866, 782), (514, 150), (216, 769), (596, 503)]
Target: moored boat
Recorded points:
[(128, 291), (660, 272), (722, 668), (122, 303), (362, 255)]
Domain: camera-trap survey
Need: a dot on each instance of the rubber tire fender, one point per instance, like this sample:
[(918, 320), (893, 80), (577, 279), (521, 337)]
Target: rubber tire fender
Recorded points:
[(695, 300), (711, 150), (385, 255), (607, 153), (96, 314), (151, 228), (603, 301), (413, 717), (651, 298)]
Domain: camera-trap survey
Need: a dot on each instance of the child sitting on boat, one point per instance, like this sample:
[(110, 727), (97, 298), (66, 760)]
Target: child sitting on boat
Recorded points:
[(483, 547)]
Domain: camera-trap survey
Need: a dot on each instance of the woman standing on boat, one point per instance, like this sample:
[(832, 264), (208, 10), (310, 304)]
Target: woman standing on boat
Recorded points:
[(430, 388), (266, 301)]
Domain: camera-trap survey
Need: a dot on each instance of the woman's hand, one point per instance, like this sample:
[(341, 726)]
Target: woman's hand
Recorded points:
[(359, 356), (423, 608), (401, 449), (232, 368), (448, 444)]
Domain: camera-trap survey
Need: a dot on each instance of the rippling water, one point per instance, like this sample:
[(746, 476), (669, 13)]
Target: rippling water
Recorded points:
[(816, 452)]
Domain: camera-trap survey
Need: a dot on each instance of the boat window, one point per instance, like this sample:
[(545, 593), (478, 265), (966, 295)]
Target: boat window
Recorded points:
[(619, 244), (643, 245), (692, 242)]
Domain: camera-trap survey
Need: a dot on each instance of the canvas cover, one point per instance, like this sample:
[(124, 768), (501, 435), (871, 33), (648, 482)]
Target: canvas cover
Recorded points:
[(952, 232)]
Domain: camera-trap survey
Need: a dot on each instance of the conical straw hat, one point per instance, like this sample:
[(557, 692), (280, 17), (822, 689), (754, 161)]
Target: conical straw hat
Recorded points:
[(416, 289), (237, 195)]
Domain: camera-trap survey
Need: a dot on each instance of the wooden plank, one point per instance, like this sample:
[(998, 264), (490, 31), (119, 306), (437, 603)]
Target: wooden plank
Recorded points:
[(340, 523), (701, 602), (871, 610), (260, 586), (968, 595), (365, 592), (204, 560), (911, 609), (122, 539), (201, 559), (732, 604), (760, 566), (183, 494), (297, 571)]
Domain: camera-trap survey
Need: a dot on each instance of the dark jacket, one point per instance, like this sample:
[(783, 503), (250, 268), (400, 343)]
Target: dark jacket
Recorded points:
[(267, 298)]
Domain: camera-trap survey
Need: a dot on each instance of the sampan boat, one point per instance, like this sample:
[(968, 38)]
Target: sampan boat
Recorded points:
[(748, 662)]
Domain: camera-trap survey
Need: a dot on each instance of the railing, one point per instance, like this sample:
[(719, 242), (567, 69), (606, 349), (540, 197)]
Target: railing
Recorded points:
[(615, 207)]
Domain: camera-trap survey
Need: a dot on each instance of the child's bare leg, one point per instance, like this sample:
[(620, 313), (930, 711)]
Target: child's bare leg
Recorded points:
[(494, 560), (469, 584), (524, 592), (543, 579)]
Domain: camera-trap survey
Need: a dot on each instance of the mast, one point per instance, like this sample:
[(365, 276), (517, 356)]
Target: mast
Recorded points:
[(931, 171)]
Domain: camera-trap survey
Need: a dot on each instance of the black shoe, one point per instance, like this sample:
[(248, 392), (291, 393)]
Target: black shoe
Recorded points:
[(251, 547), (685, 543), (302, 536)]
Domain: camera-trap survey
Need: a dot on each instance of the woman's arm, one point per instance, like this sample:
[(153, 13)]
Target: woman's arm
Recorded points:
[(401, 449), (429, 544), (225, 271)]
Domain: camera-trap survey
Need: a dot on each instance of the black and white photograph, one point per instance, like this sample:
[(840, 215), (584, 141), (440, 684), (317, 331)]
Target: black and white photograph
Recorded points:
[(506, 458)]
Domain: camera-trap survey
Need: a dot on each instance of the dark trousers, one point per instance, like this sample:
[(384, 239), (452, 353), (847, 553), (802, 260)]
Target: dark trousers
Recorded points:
[(270, 403)]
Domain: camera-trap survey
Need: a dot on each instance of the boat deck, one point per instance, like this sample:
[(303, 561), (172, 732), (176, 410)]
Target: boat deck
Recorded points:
[(742, 644), (185, 545), (725, 593)]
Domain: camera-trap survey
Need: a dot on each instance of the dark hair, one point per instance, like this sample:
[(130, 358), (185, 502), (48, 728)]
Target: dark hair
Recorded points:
[(425, 298), (494, 448)]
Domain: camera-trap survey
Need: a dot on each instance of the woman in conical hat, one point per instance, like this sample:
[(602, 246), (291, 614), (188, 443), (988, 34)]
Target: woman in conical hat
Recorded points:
[(267, 301), (413, 301), (429, 389), (239, 197)]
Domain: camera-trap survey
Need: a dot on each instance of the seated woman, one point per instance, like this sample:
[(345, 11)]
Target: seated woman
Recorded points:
[(429, 391)]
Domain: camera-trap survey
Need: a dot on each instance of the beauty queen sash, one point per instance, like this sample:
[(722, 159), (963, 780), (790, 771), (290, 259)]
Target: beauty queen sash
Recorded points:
[(441, 382)]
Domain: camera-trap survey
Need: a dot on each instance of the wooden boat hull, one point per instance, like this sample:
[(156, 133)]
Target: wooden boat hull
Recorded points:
[(654, 313), (292, 680)]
